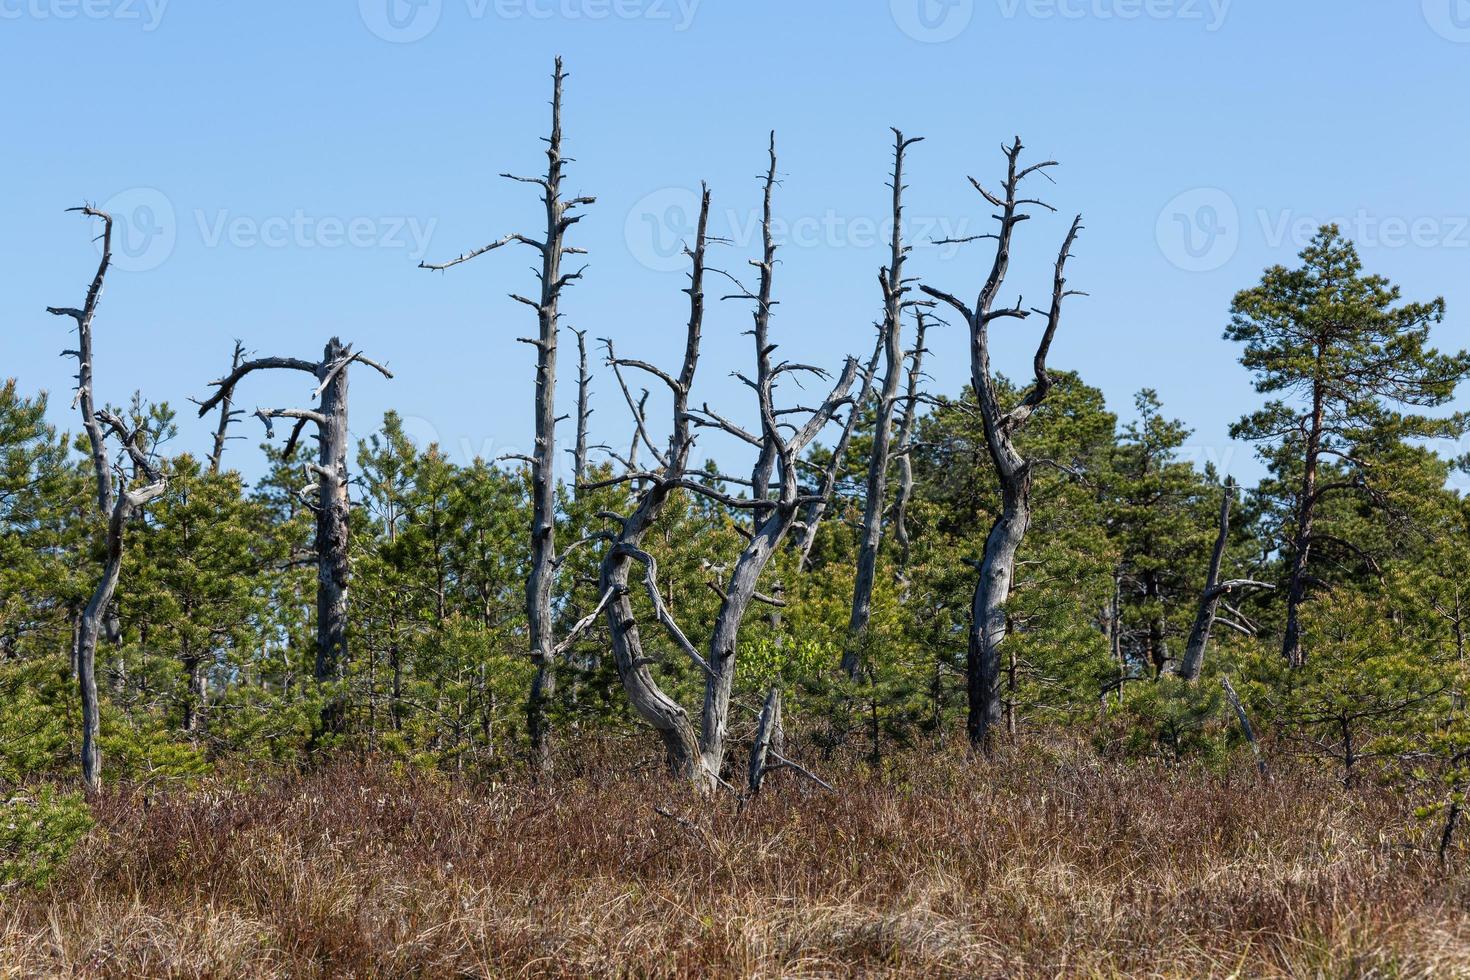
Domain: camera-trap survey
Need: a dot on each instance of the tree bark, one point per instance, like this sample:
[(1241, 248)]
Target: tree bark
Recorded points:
[(906, 441), (1212, 595), (875, 503), (117, 504), (540, 621), (988, 625), (332, 509)]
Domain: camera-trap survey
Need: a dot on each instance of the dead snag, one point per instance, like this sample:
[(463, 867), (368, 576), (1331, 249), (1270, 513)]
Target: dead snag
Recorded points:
[(329, 473), (988, 623), (905, 447), (769, 739), (227, 415), (142, 482), (1212, 595), (698, 755), (553, 249), (895, 288), (1245, 725)]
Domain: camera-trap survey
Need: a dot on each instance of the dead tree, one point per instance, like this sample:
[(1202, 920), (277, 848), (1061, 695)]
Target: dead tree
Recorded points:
[(584, 410), (227, 414), (329, 473), (1213, 594), (988, 623), (553, 249), (122, 493), (905, 447), (697, 755), (806, 531), (895, 288), (765, 462)]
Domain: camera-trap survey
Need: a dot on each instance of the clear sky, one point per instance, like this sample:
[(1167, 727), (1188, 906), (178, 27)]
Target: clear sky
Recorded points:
[(279, 169)]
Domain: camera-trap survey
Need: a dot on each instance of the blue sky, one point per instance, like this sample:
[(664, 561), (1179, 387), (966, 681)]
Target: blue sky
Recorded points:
[(280, 169)]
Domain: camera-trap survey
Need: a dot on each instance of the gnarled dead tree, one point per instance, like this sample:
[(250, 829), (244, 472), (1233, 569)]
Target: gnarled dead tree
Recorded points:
[(552, 249), (228, 413), (904, 449), (698, 754), (1214, 593), (122, 492), (806, 531), (895, 288), (329, 473), (1001, 423)]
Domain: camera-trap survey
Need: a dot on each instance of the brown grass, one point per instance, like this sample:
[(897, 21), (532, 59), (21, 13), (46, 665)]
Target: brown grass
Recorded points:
[(1043, 864)]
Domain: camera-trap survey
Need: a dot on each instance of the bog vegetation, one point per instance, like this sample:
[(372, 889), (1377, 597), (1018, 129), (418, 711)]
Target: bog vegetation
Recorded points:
[(978, 681)]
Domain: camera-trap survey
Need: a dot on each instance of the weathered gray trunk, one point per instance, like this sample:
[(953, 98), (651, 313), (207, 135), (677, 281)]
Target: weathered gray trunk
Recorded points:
[(117, 504), (768, 743), (227, 414), (906, 442), (1209, 603), (333, 547), (541, 623), (988, 622), (876, 500)]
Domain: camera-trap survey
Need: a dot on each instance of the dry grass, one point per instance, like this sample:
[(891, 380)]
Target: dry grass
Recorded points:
[(1038, 865)]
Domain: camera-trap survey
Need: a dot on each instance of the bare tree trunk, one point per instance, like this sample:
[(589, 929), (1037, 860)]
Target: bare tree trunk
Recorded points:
[(228, 413), (816, 510), (768, 739), (332, 545), (1214, 592), (988, 614), (1245, 725), (332, 534), (906, 439), (540, 620), (765, 464), (117, 504), (740, 591), (988, 621), (584, 411), (894, 289), (667, 716)]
